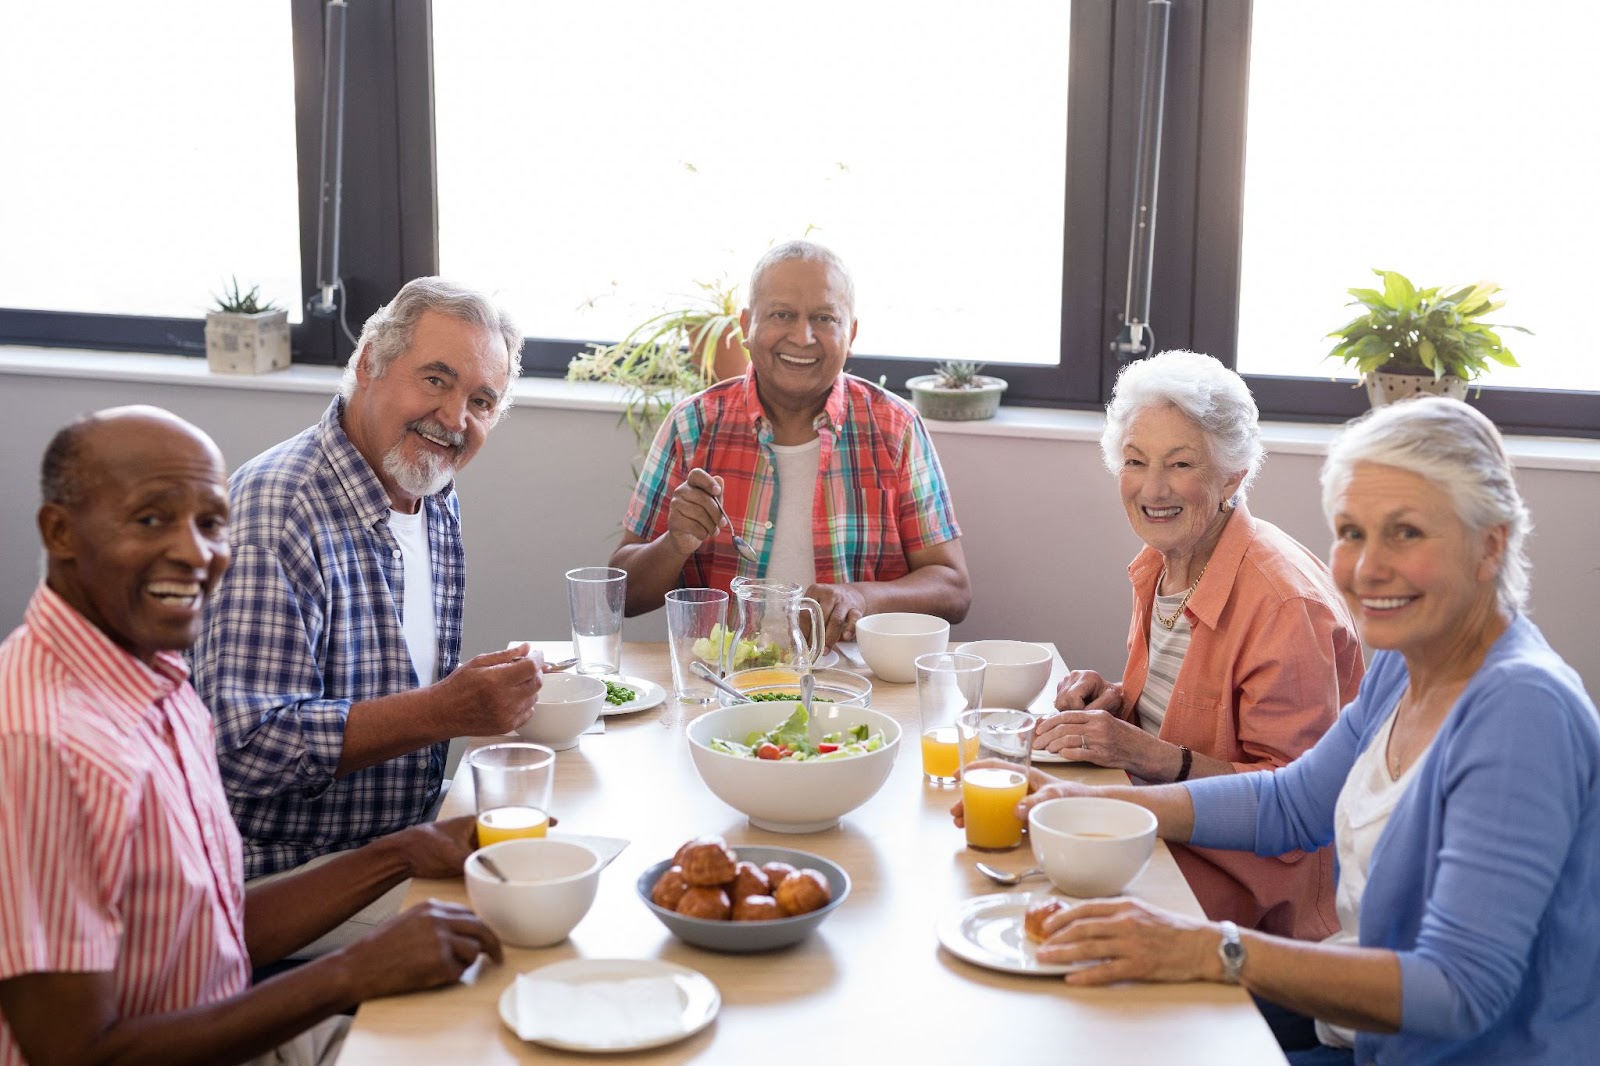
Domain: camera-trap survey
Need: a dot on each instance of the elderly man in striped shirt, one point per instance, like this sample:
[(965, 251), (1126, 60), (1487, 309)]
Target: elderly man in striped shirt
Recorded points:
[(832, 480), (125, 930)]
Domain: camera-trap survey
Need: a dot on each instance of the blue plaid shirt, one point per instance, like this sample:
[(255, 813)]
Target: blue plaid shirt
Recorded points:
[(305, 623)]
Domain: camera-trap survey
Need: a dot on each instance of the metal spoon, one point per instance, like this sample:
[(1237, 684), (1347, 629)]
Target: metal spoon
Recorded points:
[(739, 545), (489, 865), (699, 668), (808, 685), (1001, 877), (561, 664)]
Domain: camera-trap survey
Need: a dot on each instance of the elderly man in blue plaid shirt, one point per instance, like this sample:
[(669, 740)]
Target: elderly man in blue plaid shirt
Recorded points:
[(330, 653)]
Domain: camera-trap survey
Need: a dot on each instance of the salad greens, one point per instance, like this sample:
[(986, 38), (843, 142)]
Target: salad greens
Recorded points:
[(748, 654), (790, 741)]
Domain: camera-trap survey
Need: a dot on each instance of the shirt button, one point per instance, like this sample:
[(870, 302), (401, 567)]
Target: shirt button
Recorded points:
[(769, 525), (397, 553)]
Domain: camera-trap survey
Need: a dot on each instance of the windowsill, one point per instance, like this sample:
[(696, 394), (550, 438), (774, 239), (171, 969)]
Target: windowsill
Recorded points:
[(1033, 423)]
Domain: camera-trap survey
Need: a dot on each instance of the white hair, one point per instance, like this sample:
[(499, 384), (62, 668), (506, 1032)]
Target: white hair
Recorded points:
[(808, 252), (1207, 393), (1453, 445), (389, 332)]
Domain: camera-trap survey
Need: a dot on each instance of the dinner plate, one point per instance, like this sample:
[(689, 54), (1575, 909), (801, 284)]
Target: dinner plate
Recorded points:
[(649, 695), (698, 1003), (826, 659), (1051, 758), (987, 931)]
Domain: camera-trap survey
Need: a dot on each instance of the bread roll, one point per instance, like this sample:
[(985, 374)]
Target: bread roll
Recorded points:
[(803, 892), (708, 903), (1033, 920), (748, 880), (707, 861), (669, 888), (757, 909)]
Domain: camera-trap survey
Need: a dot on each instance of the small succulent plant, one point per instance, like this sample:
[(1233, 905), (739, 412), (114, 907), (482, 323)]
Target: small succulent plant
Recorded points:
[(236, 301), (959, 374)]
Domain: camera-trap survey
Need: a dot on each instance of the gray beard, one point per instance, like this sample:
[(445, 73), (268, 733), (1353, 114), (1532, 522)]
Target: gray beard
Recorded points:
[(426, 476)]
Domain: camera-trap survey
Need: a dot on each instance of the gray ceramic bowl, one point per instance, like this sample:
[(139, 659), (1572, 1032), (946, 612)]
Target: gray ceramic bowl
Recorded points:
[(742, 938)]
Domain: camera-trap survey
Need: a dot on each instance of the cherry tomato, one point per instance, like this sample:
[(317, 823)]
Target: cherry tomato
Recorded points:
[(769, 750), (824, 747)]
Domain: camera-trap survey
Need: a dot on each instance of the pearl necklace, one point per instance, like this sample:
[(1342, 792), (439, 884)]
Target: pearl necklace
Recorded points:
[(1166, 622)]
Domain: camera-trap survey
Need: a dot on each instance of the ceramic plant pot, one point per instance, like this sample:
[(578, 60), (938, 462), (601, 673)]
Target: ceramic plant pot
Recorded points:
[(955, 405), (1384, 387)]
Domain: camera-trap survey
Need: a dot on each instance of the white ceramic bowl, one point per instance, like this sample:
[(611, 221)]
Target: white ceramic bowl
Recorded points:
[(791, 797), (552, 884), (890, 643), (1091, 845), (568, 704), (1016, 672)]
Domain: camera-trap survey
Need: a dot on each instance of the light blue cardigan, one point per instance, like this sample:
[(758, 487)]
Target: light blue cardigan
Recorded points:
[(1486, 881)]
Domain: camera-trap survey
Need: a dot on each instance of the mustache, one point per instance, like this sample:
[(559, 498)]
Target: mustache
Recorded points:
[(433, 429)]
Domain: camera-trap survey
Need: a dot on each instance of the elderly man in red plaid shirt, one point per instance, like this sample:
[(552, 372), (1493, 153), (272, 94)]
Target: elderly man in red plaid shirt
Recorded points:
[(832, 480)]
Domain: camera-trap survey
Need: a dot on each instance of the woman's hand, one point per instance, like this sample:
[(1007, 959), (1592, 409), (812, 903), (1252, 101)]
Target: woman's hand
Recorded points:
[(1102, 738), (1131, 941), (1085, 688), (1041, 786)]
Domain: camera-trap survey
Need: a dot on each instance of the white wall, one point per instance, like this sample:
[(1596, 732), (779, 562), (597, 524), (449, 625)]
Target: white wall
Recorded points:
[(1044, 533)]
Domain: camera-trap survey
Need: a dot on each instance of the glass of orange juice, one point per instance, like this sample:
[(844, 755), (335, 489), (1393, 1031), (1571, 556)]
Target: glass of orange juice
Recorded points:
[(948, 683), (990, 793), (512, 784)]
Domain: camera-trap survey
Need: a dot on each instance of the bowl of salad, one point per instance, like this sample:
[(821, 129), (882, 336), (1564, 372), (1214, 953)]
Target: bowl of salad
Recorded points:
[(778, 684), (789, 772)]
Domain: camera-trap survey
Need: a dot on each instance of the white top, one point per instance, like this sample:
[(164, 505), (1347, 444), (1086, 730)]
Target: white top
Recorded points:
[(792, 558), (416, 613), (1167, 649), (1365, 803)]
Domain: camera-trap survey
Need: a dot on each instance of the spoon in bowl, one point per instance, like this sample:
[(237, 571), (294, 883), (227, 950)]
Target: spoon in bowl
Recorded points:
[(1001, 877), (699, 668), (739, 545), (488, 864)]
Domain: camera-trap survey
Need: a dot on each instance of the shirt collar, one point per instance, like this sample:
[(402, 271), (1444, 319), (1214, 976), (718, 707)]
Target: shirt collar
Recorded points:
[(85, 651), (829, 419)]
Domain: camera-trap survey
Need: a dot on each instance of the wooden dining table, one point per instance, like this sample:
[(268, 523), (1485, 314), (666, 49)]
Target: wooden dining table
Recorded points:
[(871, 984)]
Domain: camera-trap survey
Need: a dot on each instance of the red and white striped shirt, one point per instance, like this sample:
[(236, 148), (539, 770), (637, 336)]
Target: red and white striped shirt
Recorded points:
[(117, 851)]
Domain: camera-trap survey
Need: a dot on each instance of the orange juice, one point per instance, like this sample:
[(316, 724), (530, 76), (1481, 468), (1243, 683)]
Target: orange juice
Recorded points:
[(940, 758), (510, 823), (989, 798)]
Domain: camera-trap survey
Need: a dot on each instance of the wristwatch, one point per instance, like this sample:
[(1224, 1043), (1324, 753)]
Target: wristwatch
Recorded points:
[(1231, 952)]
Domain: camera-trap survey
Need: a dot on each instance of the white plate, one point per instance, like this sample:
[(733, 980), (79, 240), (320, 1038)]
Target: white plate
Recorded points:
[(988, 931), (1050, 757), (826, 659), (698, 997), (649, 695)]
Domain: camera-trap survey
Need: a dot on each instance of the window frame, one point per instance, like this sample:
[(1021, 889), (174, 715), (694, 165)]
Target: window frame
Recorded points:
[(390, 214)]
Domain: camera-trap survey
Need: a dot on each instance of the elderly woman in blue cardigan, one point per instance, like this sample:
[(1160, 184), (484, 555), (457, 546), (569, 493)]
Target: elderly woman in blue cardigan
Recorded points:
[(1461, 788)]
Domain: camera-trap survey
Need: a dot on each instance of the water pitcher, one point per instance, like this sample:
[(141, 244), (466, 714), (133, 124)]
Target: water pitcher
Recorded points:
[(767, 629)]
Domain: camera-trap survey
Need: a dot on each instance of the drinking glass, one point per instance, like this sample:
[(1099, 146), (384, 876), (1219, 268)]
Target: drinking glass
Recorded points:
[(948, 683), (696, 623), (596, 595), (511, 784), (990, 794)]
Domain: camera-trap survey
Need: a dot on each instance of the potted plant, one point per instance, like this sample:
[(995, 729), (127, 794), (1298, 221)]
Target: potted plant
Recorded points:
[(956, 392), (669, 355), (245, 335), (1409, 340)]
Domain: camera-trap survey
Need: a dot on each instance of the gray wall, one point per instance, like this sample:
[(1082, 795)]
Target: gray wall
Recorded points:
[(1044, 532)]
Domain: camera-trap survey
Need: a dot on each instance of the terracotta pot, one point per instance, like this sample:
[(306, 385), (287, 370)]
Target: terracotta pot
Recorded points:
[(1384, 387), (731, 359)]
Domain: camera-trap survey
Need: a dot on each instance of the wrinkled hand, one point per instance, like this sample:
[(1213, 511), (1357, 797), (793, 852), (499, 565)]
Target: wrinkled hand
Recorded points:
[(424, 947), (1041, 786), (841, 606), (1132, 941), (692, 517), (493, 693), (1095, 736), (1085, 688)]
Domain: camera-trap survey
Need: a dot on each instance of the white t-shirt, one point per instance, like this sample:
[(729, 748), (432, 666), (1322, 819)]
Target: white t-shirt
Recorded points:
[(1365, 803), (416, 613), (792, 556)]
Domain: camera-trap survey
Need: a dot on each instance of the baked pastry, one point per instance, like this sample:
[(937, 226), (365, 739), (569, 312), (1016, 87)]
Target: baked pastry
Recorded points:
[(1033, 920), (669, 888), (709, 903), (707, 861), (748, 880), (757, 908), (776, 872), (803, 892)]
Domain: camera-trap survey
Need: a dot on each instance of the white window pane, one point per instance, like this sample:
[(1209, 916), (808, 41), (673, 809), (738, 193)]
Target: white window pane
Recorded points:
[(597, 158), (1451, 140), (149, 155)]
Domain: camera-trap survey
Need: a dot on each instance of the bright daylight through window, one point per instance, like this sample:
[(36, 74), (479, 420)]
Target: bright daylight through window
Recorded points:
[(590, 176), (1450, 140), (150, 157)]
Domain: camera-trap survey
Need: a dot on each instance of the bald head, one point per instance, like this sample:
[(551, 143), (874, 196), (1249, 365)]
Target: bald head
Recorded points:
[(135, 524)]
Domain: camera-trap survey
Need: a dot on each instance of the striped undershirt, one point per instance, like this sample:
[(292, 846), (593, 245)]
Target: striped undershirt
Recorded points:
[(1167, 649)]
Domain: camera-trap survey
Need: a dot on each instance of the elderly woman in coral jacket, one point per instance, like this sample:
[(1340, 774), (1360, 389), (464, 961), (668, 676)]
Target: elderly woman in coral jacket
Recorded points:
[(1241, 650)]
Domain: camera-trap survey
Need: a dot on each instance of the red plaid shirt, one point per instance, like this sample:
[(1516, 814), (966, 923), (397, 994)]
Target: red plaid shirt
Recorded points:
[(880, 492)]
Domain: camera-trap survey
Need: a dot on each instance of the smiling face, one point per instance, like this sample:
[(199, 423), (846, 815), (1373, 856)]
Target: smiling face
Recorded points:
[(799, 328), (1171, 489), (146, 538), (423, 419), (1417, 579)]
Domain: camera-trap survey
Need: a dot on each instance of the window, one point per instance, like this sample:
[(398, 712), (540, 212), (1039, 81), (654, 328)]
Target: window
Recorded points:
[(150, 157), (593, 174)]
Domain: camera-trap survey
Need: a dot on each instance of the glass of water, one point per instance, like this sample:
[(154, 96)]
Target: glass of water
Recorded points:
[(596, 595)]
